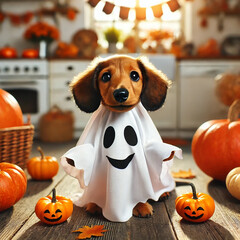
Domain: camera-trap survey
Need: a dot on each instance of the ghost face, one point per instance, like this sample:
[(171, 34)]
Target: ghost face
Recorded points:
[(120, 143)]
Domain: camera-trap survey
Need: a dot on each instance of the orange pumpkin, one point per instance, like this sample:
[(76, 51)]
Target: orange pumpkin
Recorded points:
[(194, 207), (8, 52), (30, 53), (215, 145), (13, 184), (66, 50), (10, 111), (209, 49), (54, 210), (42, 168)]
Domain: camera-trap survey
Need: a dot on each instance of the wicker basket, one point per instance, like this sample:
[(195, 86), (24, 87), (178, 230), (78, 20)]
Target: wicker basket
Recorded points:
[(16, 144)]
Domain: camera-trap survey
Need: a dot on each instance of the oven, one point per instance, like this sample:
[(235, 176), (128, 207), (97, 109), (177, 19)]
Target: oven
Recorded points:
[(27, 81)]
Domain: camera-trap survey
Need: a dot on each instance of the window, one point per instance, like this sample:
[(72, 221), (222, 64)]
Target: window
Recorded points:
[(169, 22)]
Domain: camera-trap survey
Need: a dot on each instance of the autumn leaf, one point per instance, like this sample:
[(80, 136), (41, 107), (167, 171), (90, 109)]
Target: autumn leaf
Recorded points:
[(183, 174), (88, 232)]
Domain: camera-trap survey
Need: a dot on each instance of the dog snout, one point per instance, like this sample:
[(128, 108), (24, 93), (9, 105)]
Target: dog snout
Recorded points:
[(121, 95)]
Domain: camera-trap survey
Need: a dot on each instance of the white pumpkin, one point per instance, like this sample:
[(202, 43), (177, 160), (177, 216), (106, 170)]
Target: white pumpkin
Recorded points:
[(233, 182)]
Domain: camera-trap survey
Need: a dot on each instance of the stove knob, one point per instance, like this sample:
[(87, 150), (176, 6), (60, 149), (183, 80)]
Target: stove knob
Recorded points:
[(6, 69), (16, 69), (35, 69), (26, 69)]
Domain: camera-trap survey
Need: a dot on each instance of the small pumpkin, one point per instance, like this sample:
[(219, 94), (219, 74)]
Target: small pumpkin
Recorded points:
[(10, 111), (66, 50), (215, 144), (54, 209), (13, 184), (209, 49), (194, 207), (8, 52), (30, 53), (42, 168), (233, 182)]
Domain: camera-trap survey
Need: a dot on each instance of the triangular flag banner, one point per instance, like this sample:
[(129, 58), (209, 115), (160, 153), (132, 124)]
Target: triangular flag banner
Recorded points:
[(93, 3), (124, 11), (140, 13), (173, 5), (157, 10), (108, 7)]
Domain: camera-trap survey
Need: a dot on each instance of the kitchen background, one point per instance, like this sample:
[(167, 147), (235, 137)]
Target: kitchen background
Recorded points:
[(195, 42)]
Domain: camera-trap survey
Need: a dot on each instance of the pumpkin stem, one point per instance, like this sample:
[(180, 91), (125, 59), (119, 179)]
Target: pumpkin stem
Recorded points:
[(194, 192), (41, 152), (54, 199), (234, 110)]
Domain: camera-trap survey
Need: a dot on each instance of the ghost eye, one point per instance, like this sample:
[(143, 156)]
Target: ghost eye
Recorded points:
[(187, 208), (130, 136), (58, 210), (47, 211), (109, 137), (106, 77), (200, 208), (134, 76)]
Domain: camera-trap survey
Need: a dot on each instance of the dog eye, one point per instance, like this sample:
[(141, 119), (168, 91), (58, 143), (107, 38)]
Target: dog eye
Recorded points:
[(106, 77), (109, 137), (134, 76), (130, 136)]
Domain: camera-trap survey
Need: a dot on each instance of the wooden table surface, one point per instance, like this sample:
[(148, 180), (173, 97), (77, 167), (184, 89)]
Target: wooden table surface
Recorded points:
[(20, 221)]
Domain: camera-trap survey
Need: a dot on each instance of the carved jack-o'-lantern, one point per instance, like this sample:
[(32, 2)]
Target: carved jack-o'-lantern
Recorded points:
[(54, 210), (194, 207)]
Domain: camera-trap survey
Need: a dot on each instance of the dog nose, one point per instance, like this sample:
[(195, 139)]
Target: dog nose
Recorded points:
[(121, 94)]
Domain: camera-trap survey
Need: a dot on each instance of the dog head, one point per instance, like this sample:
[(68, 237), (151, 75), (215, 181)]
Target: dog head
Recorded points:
[(120, 82)]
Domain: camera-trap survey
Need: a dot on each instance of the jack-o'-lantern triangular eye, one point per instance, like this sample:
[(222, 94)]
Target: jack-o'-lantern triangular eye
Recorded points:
[(200, 208), (187, 207), (47, 211), (58, 210)]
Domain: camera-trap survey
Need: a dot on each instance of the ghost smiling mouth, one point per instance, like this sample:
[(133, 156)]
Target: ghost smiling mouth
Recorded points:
[(120, 164)]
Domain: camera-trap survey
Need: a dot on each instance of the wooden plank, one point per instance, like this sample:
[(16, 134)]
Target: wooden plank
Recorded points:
[(13, 218), (224, 224), (22, 223), (156, 227)]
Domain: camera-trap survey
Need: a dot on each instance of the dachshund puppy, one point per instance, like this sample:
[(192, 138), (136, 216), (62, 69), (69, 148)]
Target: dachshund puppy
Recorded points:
[(119, 181), (120, 82)]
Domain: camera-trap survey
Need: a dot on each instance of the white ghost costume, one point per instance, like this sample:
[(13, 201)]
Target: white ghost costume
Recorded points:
[(121, 155)]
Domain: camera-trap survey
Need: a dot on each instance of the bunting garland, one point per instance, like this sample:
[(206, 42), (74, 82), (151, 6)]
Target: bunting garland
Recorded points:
[(26, 17), (140, 11)]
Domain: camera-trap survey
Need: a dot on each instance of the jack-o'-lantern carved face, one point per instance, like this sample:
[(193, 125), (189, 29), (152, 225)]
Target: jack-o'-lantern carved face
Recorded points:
[(194, 214), (52, 215), (54, 210)]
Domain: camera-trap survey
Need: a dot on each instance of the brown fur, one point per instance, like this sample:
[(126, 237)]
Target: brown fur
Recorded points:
[(89, 91)]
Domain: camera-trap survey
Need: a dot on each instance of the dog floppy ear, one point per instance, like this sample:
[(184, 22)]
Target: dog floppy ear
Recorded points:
[(84, 88), (155, 85)]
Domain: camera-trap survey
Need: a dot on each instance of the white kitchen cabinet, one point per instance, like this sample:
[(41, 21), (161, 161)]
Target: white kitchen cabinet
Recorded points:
[(198, 102), (166, 117), (61, 74)]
